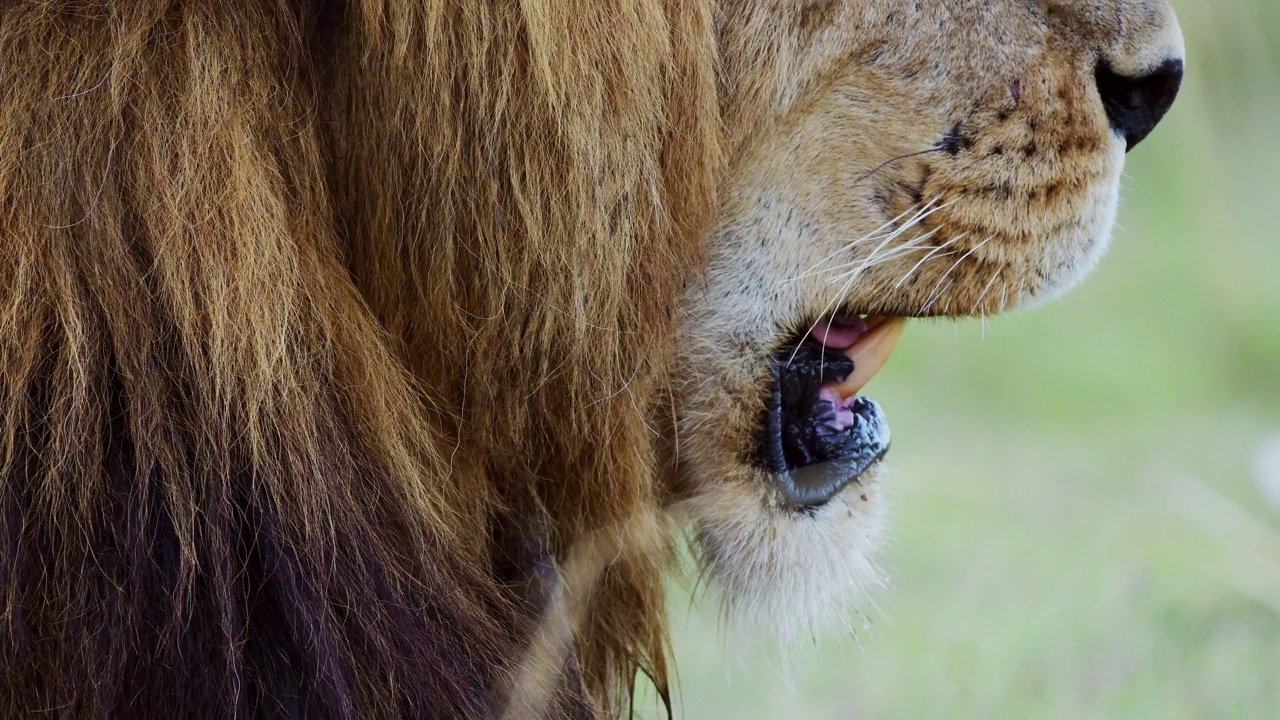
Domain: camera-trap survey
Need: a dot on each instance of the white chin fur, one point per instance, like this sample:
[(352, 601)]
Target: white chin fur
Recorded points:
[(793, 575)]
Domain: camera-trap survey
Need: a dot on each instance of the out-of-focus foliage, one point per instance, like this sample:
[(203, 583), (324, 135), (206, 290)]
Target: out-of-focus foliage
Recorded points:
[(1080, 513)]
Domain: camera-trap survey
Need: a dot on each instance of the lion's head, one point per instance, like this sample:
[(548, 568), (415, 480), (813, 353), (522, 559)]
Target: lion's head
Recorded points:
[(887, 160), (332, 332)]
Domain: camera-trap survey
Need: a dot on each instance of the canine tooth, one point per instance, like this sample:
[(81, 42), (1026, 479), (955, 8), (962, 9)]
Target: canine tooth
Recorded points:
[(869, 354)]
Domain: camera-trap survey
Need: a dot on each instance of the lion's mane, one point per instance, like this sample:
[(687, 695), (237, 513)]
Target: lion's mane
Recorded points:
[(328, 330)]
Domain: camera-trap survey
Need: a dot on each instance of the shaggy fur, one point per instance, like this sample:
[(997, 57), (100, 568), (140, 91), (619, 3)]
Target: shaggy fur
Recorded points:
[(344, 344), (325, 327)]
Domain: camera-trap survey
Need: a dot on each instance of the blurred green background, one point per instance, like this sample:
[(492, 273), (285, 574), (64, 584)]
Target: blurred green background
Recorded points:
[(1081, 522)]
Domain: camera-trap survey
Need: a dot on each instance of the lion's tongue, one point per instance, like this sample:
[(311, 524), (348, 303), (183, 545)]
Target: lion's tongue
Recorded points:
[(868, 342)]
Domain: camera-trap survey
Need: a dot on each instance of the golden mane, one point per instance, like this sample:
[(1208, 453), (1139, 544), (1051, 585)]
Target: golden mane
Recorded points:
[(327, 328)]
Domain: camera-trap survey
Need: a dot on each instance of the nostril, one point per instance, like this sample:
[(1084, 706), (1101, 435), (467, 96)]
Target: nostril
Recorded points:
[(1136, 104)]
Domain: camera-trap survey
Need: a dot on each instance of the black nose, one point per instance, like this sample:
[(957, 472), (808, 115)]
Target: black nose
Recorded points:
[(1135, 104)]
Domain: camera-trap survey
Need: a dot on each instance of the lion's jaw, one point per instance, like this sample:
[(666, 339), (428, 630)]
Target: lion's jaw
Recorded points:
[(951, 159)]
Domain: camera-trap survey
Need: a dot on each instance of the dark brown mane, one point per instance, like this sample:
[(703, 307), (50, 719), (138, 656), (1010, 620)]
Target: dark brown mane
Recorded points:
[(326, 328)]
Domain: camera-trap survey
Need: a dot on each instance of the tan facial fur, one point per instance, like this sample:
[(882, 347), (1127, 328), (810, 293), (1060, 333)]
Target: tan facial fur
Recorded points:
[(885, 157)]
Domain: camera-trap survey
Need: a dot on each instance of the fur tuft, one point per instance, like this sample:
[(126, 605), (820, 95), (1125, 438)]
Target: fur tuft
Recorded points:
[(792, 576)]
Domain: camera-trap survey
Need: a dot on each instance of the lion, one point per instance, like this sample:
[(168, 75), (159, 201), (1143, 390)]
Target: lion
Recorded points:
[(357, 358)]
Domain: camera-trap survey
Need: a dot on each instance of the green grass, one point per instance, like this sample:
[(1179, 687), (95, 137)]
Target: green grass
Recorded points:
[(1077, 530)]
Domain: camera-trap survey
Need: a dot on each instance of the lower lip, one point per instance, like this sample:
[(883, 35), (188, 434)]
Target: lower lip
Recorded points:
[(814, 485)]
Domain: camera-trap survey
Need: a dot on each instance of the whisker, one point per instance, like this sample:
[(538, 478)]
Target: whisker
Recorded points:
[(986, 289), (929, 304), (825, 310), (846, 248), (921, 215), (878, 254), (916, 243), (956, 264), (925, 259), (844, 289), (891, 237), (886, 163)]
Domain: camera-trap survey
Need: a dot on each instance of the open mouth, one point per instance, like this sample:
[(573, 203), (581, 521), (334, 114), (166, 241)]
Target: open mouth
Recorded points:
[(818, 434)]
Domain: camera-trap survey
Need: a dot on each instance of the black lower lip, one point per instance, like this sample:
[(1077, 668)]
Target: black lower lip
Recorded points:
[(809, 460)]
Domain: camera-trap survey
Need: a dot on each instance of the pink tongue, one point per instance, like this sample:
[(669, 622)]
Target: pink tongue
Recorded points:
[(843, 417), (839, 334)]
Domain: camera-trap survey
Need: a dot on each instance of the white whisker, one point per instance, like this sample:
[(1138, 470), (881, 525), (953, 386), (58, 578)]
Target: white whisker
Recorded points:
[(925, 259), (929, 304), (985, 290), (914, 244), (817, 267), (921, 215), (880, 253), (954, 265)]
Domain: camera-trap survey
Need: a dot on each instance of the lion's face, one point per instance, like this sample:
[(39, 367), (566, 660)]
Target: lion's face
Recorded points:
[(888, 159)]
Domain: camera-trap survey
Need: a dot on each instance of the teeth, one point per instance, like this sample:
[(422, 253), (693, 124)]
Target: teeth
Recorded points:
[(869, 354)]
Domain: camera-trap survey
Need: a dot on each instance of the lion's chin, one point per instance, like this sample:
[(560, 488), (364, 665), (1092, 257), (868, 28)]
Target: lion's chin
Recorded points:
[(785, 500), (793, 575)]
